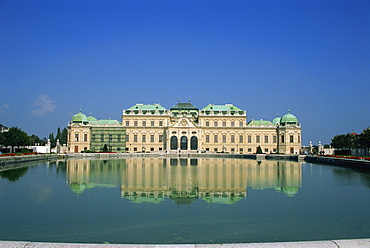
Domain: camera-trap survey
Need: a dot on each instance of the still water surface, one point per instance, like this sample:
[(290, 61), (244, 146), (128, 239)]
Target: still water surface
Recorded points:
[(171, 201)]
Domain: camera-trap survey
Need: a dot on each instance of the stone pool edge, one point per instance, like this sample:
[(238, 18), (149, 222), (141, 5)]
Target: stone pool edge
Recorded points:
[(345, 243)]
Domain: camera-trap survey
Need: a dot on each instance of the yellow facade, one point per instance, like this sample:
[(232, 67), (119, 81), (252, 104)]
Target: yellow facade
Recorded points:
[(186, 129)]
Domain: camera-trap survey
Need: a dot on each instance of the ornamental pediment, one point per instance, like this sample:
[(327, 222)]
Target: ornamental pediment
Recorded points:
[(184, 122)]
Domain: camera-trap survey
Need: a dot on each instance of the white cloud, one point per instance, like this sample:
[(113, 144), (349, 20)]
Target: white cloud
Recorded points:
[(4, 107), (43, 106)]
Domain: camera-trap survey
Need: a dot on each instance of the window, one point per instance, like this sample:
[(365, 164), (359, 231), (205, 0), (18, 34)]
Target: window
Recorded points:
[(207, 123), (101, 137), (127, 138), (135, 137), (215, 138), (299, 138), (241, 150), (85, 136), (233, 123), (76, 137), (274, 139), (135, 123), (152, 123), (274, 150), (232, 138), (241, 139), (144, 123), (135, 149), (249, 149), (160, 138), (266, 150), (152, 138), (258, 139), (118, 138), (224, 138), (232, 149), (249, 138), (266, 139), (207, 138), (240, 123), (143, 138), (224, 123), (282, 139), (110, 138), (152, 149), (160, 123), (85, 148), (216, 150), (127, 123), (291, 138), (216, 124), (93, 137)]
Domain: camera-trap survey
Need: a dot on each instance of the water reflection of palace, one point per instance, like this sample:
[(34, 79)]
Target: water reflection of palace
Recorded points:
[(184, 180)]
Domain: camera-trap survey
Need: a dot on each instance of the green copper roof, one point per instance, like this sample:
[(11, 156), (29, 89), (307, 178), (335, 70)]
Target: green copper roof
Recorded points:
[(184, 106), (259, 123), (79, 117), (289, 119), (105, 122), (276, 121), (91, 118), (147, 107), (226, 107)]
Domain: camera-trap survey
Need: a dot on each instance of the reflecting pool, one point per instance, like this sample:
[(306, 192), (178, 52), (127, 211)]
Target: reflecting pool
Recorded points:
[(172, 200)]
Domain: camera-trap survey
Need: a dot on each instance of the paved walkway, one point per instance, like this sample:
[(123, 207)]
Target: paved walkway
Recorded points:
[(319, 244)]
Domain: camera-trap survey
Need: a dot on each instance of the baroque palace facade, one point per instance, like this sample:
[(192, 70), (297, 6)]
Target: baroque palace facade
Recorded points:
[(185, 128)]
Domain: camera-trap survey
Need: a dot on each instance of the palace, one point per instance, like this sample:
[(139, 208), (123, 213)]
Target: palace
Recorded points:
[(185, 128)]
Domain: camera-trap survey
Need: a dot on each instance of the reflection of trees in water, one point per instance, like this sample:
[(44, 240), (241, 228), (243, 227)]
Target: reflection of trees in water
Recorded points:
[(60, 167), (350, 177), (15, 174)]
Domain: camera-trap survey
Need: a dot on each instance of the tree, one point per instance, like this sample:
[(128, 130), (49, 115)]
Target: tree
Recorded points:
[(105, 148), (14, 137), (364, 138), (343, 141), (34, 139), (63, 136), (259, 150), (52, 140)]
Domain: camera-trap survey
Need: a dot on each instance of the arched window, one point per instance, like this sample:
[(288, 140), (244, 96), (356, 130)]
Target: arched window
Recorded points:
[(184, 143), (194, 143), (173, 143)]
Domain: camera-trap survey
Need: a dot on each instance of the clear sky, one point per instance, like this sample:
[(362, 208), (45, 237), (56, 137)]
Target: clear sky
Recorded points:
[(265, 57)]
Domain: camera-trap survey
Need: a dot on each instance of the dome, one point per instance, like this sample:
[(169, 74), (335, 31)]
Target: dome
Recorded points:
[(276, 121), (79, 118), (289, 119), (91, 118)]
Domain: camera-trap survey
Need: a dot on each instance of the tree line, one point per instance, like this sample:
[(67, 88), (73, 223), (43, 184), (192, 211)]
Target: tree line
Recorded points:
[(351, 140), (16, 137)]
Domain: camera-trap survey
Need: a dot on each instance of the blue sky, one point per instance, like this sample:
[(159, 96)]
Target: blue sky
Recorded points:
[(266, 57)]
